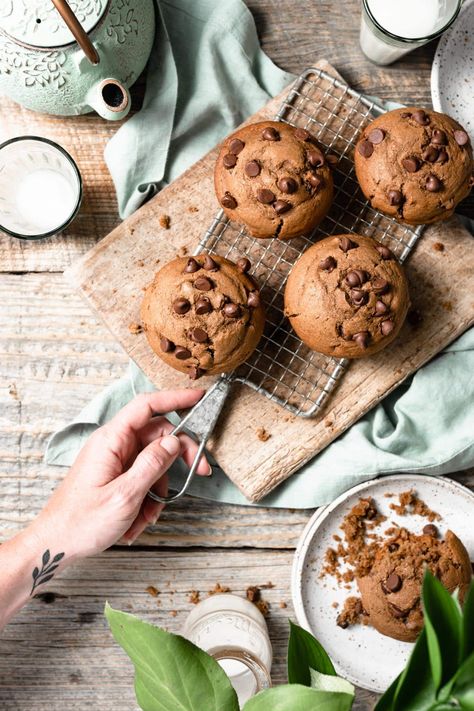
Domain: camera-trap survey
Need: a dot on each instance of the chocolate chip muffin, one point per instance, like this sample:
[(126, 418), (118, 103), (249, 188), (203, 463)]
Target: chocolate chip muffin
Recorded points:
[(203, 315), (274, 179), (415, 165), (347, 296), (391, 591)]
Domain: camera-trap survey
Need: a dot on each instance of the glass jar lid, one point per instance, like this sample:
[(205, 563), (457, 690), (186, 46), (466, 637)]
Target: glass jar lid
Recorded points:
[(38, 23)]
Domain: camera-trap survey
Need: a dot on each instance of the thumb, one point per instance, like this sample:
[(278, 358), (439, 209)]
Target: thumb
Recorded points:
[(152, 463)]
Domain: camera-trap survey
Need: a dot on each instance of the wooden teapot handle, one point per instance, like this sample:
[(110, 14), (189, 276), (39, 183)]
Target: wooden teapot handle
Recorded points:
[(77, 30)]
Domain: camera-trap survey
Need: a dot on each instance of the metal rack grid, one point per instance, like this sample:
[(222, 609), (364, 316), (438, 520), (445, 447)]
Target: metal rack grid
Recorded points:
[(282, 368)]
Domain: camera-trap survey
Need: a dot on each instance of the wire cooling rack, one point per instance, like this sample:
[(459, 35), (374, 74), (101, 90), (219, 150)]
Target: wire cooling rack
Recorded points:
[(282, 368)]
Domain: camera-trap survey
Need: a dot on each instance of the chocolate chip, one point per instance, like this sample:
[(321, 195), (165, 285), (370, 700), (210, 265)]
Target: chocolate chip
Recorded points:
[(384, 251), (192, 265), (359, 297), (229, 201), (387, 327), (315, 158), (376, 136), (235, 146), (194, 372), (282, 206), (229, 160), (328, 264), (393, 583), (371, 511), (412, 164), (203, 306), (265, 196), (346, 244), (342, 622), (442, 157), (433, 184), (232, 310), (243, 265), (365, 148), (182, 353), (397, 612), (252, 168), (253, 299), (439, 137), (380, 308), (421, 117), (380, 285), (203, 284), (287, 185), (181, 306), (431, 154), (461, 138), (356, 277), (209, 264), (270, 134), (314, 181), (392, 547), (166, 345), (198, 335), (302, 134), (430, 530), (395, 197), (362, 339)]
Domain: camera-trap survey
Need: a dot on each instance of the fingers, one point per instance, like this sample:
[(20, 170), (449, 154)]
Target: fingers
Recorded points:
[(141, 409), (150, 465), (159, 427), (149, 511), (189, 450)]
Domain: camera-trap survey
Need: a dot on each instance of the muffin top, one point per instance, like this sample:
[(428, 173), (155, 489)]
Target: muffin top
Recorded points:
[(203, 315), (414, 164), (347, 296), (391, 591), (274, 179)]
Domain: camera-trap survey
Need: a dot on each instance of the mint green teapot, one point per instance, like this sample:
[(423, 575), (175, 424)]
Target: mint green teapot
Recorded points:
[(68, 58)]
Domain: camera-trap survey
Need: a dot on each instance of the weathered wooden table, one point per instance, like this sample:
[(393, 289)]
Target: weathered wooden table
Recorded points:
[(55, 356)]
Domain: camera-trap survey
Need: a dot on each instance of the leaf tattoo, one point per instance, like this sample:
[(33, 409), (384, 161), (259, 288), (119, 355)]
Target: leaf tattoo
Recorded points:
[(48, 566)]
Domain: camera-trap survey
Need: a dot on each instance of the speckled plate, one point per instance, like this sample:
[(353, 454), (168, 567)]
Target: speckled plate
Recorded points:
[(452, 74), (361, 654)]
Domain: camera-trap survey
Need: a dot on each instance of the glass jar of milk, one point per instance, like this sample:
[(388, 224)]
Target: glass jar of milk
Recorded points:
[(391, 28), (40, 187), (233, 631)]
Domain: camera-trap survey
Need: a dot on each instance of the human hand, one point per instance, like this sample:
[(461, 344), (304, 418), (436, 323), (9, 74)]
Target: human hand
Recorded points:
[(104, 496)]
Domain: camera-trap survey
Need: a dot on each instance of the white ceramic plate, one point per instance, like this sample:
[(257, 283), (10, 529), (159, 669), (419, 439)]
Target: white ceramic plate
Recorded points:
[(361, 654), (452, 74)]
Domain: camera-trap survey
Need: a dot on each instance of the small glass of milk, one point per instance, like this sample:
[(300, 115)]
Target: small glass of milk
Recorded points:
[(40, 187), (233, 631), (391, 28)]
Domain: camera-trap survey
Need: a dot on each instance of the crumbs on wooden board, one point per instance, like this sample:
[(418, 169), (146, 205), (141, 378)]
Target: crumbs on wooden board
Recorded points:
[(182, 251), (262, 434), (438, 247), (165, 221), (218, 588), (194, 597), (135, 328), (151, 590)]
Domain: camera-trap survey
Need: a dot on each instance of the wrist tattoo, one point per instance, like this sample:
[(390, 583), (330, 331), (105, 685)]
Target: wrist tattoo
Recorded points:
[(48, 566)]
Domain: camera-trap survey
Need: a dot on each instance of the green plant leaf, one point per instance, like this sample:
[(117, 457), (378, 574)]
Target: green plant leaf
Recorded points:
[(416, 690), (305, 652), (468, 622), (171, 673), (463, 687), (295, 697), (328, 682), (443, 624), (385, 703)]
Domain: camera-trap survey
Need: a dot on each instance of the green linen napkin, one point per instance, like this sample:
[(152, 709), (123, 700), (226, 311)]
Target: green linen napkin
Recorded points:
[(206, 75)]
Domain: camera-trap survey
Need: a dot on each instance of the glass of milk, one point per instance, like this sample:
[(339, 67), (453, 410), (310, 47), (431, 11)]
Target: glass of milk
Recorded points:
[(391, 28), (40, 188), (233, 631)]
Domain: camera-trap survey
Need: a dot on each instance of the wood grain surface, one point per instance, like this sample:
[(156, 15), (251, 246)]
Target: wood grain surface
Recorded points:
[(55, 356), (139, 246)]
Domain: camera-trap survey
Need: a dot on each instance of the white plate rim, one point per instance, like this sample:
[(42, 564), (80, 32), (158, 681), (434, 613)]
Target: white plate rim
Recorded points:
[(320, 515)]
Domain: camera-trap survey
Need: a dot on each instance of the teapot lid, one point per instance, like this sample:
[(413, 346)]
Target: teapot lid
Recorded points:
[(38, 23)]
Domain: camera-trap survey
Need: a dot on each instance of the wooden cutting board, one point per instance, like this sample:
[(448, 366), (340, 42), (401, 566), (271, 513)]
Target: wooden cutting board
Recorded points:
[(113, 274)]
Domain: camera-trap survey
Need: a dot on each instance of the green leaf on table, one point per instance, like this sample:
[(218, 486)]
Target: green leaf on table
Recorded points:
[(468, 622), (171, 673), (295, 697), (305, 652), (415, 690), (463, 687), (443, 625), (329, 682)]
